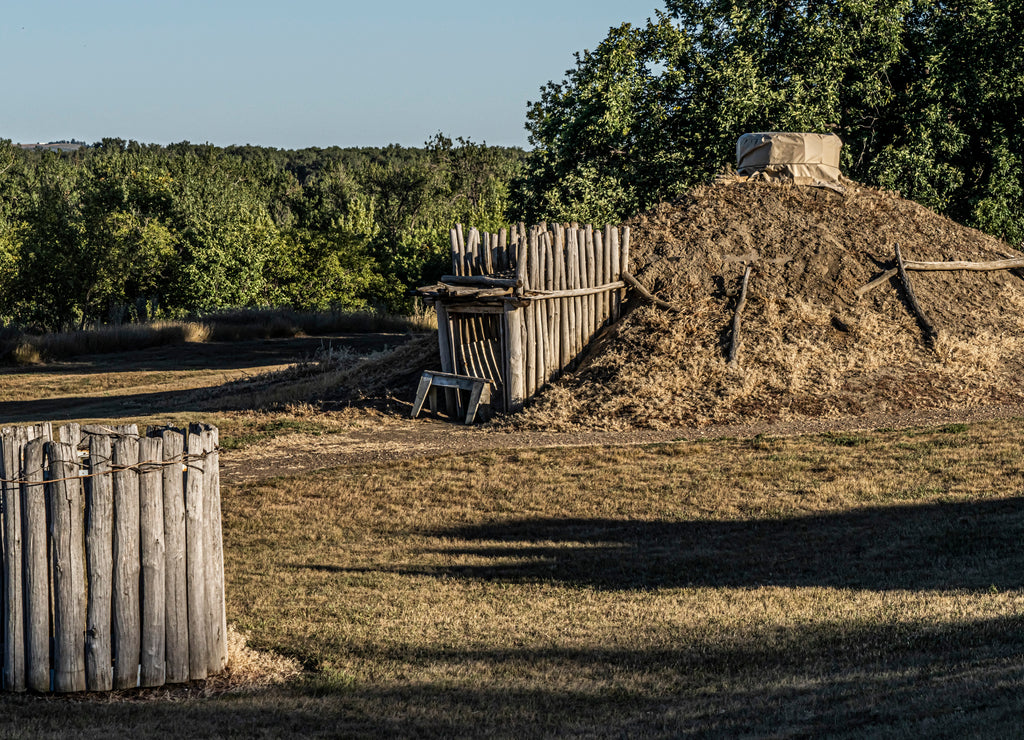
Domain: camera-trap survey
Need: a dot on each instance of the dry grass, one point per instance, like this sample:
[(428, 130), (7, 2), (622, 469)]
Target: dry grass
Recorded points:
[(774, 585), (840, 585), (337, 375), (230, 326)]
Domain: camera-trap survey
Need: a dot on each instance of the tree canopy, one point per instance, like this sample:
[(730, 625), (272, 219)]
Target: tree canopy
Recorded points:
[(127, 231), (926, 95)]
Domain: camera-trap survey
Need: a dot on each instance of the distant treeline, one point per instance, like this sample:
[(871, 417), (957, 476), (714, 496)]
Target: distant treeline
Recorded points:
[(121, 231)]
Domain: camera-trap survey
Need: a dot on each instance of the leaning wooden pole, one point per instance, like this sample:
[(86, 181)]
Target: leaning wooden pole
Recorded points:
[(734, 344), (917, 266), (930, 334)]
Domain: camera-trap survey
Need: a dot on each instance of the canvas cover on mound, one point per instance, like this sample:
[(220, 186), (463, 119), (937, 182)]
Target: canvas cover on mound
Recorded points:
[(804, 159)]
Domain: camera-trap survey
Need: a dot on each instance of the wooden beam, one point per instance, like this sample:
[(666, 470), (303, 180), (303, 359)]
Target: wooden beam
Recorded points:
[(1007, 264), (930, 334), (628, 279), (734, 344)]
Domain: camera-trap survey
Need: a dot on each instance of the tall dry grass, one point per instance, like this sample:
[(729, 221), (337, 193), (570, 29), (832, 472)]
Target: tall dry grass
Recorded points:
[(227, 326)]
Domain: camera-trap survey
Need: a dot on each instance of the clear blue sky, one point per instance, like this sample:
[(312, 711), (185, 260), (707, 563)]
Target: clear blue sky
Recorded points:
[(289, 74)]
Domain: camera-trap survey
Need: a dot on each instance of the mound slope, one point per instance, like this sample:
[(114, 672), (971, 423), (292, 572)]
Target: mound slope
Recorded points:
[(809, 345)]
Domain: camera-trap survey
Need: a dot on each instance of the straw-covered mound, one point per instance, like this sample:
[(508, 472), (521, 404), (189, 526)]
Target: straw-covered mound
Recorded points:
[(809, 346)]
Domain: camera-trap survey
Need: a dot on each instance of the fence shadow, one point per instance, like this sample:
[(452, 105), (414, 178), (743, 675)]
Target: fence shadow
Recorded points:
[(968, 545)]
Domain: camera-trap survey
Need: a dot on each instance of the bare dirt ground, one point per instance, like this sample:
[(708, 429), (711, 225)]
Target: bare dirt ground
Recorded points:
[(172, 379)]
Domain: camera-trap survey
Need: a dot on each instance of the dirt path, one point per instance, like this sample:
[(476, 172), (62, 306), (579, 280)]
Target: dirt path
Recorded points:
[(135, 386), (391, 437)]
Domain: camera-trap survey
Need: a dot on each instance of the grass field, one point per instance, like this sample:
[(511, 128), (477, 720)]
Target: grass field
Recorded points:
[(847, 585)]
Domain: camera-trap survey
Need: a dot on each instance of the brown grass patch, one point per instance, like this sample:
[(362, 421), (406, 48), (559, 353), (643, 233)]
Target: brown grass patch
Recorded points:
[(228, 326)]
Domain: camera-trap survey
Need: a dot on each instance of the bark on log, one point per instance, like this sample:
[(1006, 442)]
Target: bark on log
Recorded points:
[(930, 334), (37, 577), (99, 541), (734, 345), (1008, 264), (632, 282)]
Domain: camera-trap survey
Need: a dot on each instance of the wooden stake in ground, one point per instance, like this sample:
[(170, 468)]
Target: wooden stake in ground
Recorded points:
[(734, 345), (930, 334)]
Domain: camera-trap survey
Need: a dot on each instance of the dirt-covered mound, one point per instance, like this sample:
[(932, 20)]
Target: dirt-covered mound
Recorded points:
[(809, 346)]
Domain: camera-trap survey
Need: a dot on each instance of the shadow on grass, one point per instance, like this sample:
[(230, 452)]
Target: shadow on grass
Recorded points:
[(211, 355), (846, 681), (970, 545)]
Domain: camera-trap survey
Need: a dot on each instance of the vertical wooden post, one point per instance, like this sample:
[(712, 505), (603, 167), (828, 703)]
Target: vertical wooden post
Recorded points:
[(489, 245), (551, 310), (175, 596), (616, 275), (11, 445), (606, 271), (522, 277), (471, 265), (540, 312), (624, 256), (151, 526), (454, 234), (573, 282), (126, 611), (216, 625), (516, 380), (444, 338), (591, 274), (460, 246), (502, 261), (37, 574), (531, 315), (195, 557), (599, 278), (69, 587), (564, 354), (99, 519)]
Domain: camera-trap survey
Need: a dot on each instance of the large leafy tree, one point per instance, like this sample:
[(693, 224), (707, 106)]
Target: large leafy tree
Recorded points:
[(925, 94)]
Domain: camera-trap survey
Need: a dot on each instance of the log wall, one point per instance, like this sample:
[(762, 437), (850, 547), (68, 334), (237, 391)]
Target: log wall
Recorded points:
[(113, 573), (563, 284)]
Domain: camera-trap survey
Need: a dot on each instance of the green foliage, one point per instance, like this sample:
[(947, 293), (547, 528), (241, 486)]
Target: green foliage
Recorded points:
[(926, 95), (123, 231)]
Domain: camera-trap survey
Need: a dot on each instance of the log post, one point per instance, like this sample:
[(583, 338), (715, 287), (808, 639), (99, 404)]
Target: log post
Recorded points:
[(37, 575), (195, 557), (12, 443), (516, 376), (153, 557), (126, 603), (616, 275), (734, 344), (217, 628), (175, 592), (99, 541), (69, 587), (930, 333)]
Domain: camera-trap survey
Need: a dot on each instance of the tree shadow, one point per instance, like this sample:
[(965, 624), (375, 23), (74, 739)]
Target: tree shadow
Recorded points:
[(943, 546), (916, 680)]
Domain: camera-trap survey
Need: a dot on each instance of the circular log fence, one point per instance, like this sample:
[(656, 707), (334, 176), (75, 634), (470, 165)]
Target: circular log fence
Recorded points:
[(113, 563)]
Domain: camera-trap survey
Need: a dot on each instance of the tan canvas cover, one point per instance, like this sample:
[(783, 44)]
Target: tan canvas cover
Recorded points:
[(803, 159)]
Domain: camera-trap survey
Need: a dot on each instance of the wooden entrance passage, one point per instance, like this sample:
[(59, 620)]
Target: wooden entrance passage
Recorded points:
[(521, 305)]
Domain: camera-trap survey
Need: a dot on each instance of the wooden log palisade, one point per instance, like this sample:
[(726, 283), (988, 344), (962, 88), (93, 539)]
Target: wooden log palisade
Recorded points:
[(521, 305), (113, 566)]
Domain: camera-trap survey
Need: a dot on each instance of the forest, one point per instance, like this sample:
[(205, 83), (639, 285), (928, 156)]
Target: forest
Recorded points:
[(927, 96), (123, 232)]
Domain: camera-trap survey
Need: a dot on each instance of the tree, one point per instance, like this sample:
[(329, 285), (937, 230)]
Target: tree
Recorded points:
[(926, 95)]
